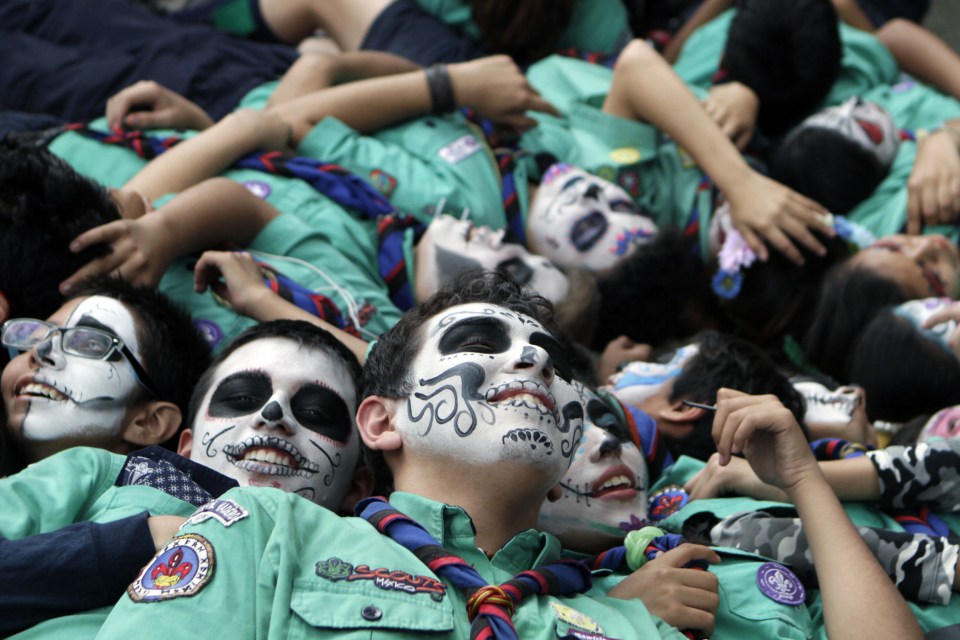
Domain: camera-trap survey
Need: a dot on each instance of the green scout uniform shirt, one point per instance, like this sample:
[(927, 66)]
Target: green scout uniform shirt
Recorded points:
[(661, 177), (307, 257), (599, 26), (292, 569), (76, 485), (861, 514)]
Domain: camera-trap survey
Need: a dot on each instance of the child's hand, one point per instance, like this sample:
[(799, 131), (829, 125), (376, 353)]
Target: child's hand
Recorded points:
[(684, 598), (139, 251), (767, 434), (232, 275), (734, 478), (498, 90), (934, 185), (733, 106), (148, 105), (765, 210)]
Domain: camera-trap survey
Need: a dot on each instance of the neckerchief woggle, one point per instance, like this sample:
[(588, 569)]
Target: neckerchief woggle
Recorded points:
[(489, 608)]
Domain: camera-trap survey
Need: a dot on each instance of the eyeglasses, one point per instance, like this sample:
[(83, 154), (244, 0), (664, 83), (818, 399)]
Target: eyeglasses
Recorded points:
[(24, 334)]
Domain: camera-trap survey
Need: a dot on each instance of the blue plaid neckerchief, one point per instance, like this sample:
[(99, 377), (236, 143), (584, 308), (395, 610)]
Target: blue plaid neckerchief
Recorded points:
[(489, 608), (391, 261)]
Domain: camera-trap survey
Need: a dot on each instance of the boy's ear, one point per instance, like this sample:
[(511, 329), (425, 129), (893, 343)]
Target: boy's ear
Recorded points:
[(4, 308), (375, 423), (679, 412), (152, 423), (555, 493), (360, 488), (185, 446)]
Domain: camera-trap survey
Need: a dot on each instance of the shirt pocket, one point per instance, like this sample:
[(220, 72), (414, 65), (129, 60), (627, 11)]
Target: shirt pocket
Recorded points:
[(352, 610), (745, 612)]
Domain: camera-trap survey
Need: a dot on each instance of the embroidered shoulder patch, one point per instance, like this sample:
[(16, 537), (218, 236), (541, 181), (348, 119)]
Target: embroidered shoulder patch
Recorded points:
[(383, 182), (181, 569), (780, 584), (574, 624), (335, 569), (460, 149), (667, 501), (226, 512)]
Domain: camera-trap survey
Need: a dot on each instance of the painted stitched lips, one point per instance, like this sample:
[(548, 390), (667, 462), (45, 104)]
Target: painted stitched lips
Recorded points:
[(270, 455)]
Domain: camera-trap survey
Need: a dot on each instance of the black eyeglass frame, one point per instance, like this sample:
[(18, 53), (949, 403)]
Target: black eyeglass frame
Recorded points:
[(143, 378)]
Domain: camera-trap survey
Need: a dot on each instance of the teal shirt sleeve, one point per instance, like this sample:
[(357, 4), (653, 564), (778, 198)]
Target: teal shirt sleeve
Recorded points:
[(57, 491)]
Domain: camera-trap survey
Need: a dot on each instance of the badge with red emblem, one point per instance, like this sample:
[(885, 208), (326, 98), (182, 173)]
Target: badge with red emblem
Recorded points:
[(181, 569)]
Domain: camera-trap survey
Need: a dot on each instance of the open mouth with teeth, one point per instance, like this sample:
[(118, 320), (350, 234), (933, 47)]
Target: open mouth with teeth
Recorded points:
[(40, 390), (618, 486), (527, 394), (269, 455)]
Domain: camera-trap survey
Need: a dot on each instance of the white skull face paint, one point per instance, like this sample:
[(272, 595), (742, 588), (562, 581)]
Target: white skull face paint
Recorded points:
[(580, 220), (602, 493), (280, 415), (942, 425), (826, 407), (639, 381), (866, 123), (450, 246), (490, 386), (55, 397), (918, 311)]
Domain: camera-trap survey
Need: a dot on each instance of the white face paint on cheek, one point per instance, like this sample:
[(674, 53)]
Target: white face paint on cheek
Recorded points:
[(602, 494), (825, 407), (580, 220), (281, 416), (639, 381), (866, 123), (77, 398), (481, 394)]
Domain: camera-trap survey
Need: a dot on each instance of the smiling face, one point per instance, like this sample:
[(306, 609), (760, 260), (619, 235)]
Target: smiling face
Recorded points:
[(602, 494), (580, 220), (866, 123), (450, 246), (491, 386), (279, 415), (922, 266), (56, 400)]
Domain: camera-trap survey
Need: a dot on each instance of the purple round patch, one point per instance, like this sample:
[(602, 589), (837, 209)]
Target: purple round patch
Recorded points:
[(780, 584), (258, 188), (211, 333)]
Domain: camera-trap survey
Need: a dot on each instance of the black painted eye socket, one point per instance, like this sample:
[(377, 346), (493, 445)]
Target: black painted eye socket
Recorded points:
[(240, 394), (559, 357), (604, 417), (322, 411), (518, 270), (588, 230), (475, 335)]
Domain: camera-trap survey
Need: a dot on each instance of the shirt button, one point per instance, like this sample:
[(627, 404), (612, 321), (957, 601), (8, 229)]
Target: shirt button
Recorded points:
[(371, 613)]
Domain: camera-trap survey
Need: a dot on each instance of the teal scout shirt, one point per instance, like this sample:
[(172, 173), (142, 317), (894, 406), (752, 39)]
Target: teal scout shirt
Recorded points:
[(930, 616), (289, 568), (76, 485)]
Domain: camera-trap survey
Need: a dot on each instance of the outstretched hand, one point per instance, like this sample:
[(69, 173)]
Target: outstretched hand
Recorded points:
[(683, 597), (139, 251), (733, 106), (767, 434), (497, 89), (232, 275), (149, 105), (933, 189), (764, 210)]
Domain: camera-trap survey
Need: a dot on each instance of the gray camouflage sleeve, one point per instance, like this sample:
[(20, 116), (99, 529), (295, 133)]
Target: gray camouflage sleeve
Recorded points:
[(921, 566), (926, 474)]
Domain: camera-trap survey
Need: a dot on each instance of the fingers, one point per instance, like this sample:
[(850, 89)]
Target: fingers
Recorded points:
[(946, 314), (754, 241), (120, 105), (537, 103), (914, 211), (207, 270), (686, 553), (105, 233)]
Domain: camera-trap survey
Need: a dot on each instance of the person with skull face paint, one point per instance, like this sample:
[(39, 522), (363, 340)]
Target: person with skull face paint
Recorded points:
[(469, 400), (312, 380)]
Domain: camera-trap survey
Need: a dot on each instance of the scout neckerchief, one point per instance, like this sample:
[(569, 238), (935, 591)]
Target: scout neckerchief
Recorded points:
[(505, 146), (391, 258), (653, 545), (310, 301), (490, 608), (593, 57), (333, 181)]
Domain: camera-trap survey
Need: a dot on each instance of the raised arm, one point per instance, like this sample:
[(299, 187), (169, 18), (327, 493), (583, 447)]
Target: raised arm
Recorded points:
[(646, 88), (206, 216), (859, 600)]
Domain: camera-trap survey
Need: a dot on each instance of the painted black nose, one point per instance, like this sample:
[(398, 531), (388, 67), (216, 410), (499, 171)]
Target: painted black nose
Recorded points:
[(272, 412)]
